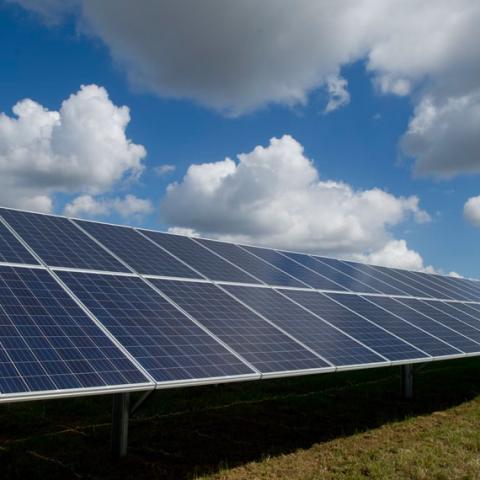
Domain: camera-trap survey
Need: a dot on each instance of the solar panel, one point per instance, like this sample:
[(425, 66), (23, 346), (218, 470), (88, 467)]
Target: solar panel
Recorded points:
[(405, 323), (11, 250), (465, 288), (260, 343), (401, 286), (469, 319), (160, 337), (470, 309), (59, 243), (308, 277), (363, 276), (383, 342), (258, 268), (141, 254), (443, 326), (446, 291), (413, 279), (329, 342), (199, 258), (454, 322), (48, 344), (328, 270)]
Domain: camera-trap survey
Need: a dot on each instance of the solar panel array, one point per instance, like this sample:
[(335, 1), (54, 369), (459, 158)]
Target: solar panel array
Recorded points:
[(88, 307)]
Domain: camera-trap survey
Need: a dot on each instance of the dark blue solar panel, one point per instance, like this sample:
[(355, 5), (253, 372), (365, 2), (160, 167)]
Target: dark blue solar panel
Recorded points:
[(328, 270), (471, 309), (138, 252), (417, 282), (199, 258), (11, 250), (59, 243), (48, 343), (362, 275), (444, 290), (327, 341), (324, 271), (450, 309), (370, 334), (308, 277), (161, 338), (445, 327), (400, 286), (257, 267), (260, 343), (462, 286), (406, 329)]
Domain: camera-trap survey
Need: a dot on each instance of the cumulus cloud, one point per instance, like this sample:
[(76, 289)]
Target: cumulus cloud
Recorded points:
[(237, 56), (471, 211), (338, 93), (88, 206), (274, 196), (82, 147), (444, 136), (395, 253)]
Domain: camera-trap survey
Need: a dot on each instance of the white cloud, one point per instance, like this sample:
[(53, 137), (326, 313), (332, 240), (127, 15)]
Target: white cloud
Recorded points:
[(128, 207), (444, 137), (395, 253), (163, 170), (273, 196), (82, 147), (471, 211), (338, 93), (237, 56)]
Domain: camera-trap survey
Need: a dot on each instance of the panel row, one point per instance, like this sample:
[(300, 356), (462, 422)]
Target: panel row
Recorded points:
[(196, 331), (78, 244)]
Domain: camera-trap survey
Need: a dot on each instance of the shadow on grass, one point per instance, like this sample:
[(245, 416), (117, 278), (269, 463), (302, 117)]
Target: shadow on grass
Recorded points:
[(184, 433)]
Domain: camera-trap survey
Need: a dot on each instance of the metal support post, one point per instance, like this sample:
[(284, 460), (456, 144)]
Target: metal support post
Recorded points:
[(120, 413), (407, 381)]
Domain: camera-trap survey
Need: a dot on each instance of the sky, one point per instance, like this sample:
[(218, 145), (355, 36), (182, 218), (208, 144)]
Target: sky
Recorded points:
[(347, 129)]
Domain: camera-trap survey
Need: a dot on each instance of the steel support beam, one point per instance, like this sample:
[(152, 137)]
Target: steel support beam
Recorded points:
[(120, 414), (407, 381)]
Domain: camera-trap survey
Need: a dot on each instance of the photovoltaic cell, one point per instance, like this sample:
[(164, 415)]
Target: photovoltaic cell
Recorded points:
[(328, 270), (253, 265), (407, 329), (138, 252), (161, 338), (199, 258), (454, 322), (393, 324), (445, 291), (330, 343), (414, 279), (308, 277), (464, 288), (449, 309), (391, 285), (260, 343), (370, 334), (11, 250), (470, 309), (362, 275), (48, 343), (59, 243)]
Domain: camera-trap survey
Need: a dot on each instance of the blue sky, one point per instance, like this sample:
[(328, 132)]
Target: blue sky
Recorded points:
[(48, 54)]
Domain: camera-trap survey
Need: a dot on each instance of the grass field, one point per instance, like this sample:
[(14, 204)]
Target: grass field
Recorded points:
[(347, 426)]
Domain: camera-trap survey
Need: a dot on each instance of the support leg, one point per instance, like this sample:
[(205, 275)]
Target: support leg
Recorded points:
[(407, 381), (120, 415)]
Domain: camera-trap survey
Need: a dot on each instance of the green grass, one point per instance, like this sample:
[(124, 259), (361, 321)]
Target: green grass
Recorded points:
[(347, 426)]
